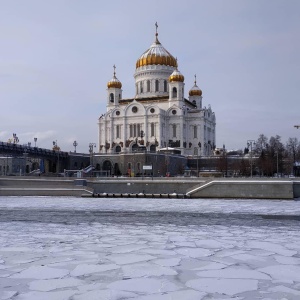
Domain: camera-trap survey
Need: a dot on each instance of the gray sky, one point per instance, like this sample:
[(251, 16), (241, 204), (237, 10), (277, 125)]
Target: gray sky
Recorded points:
[(56, 58)]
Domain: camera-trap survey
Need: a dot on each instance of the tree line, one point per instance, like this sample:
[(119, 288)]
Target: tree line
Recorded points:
[(273, 156)]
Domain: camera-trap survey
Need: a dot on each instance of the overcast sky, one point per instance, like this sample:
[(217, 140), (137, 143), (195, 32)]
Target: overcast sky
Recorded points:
[(57, 56)]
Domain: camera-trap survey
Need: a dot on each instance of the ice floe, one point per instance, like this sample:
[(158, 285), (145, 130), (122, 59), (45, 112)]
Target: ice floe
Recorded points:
[(144, 285), (86, 269), (41, 272), (223, 286)]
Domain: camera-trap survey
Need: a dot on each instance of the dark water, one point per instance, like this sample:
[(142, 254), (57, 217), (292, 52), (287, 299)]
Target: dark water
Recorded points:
[(69, 216)]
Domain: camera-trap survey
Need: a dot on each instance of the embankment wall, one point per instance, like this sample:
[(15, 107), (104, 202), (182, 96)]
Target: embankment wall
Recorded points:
[(190, 187)]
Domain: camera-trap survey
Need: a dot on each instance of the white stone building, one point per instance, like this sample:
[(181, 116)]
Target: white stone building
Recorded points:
[(158, 116)]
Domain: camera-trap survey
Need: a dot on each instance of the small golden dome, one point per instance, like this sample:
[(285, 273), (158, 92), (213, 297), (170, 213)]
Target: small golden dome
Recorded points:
[(195, 91), (156, 55), (114, 82), (176, 76)]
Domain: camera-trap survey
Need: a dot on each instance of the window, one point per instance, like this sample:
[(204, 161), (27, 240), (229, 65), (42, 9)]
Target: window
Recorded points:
[(134, 130), (165, 86), (148, 85), (195, 132), (118, 132), (131, 130), (174, 112), (134, 109), (117, 112), (138, 127), (111, 97), (174, 92), (174, 130), (141, 87), (152, 129), (156, 85), (152, 110)]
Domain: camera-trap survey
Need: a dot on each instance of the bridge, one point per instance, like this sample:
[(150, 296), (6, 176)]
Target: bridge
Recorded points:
[(29, 158)]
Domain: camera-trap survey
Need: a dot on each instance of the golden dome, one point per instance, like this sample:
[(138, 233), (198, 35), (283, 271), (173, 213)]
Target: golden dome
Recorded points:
[(195, 91), (156, 55), (114, 82), (176, 76)]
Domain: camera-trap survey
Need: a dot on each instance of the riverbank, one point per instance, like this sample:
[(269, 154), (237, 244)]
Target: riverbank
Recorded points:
[(157, 187)]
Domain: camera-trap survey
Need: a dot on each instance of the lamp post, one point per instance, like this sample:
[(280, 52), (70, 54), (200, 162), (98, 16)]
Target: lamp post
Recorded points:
[(56, 148), (91, 146), (250, 143), (199, 145), (75, 144), (277, 163), (35, 140)]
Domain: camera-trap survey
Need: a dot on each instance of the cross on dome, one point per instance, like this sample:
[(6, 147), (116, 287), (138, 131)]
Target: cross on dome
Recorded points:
[(114, 82)]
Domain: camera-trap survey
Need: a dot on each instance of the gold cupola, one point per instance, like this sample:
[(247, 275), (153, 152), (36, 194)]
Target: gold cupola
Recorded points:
[(156, 55), (195, 91), (114, 82), (176, 76)]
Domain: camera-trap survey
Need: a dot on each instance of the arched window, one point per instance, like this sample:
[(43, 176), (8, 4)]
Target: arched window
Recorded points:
[(118, 131), (148, 85), (174, 130), (111, 97), (131, 130), (174, 92), (156, 85), (152, 129), (118, 149), (195, 132), (119, 96), (196, 151), (141, 86), (165, 86)]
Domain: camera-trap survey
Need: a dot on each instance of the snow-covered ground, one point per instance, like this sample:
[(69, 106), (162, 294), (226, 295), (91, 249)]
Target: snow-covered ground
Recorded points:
[(72, 248)]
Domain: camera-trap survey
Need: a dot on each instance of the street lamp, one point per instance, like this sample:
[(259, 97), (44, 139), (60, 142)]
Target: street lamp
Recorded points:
[(56, 148), (35, 139), (75, 144), (199, 145), (251, 143)]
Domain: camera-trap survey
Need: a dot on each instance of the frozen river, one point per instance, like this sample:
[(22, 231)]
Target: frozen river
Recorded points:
[(57, 248)]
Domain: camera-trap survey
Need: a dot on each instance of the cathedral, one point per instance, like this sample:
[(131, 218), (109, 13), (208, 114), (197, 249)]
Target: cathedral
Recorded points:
[(159, 117)]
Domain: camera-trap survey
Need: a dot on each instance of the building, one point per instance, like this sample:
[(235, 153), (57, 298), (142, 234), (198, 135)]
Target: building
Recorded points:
[(158, 117)]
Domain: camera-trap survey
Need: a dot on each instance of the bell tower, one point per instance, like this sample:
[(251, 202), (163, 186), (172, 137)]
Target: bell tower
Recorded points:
[(114, 91)]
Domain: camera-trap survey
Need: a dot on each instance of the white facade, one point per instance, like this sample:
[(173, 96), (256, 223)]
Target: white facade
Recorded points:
[(158, 116)]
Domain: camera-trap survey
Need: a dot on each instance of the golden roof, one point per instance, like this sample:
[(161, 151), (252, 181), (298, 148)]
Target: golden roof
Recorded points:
[(176, 76), (195, 91), (114, 82), (156, 55)]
